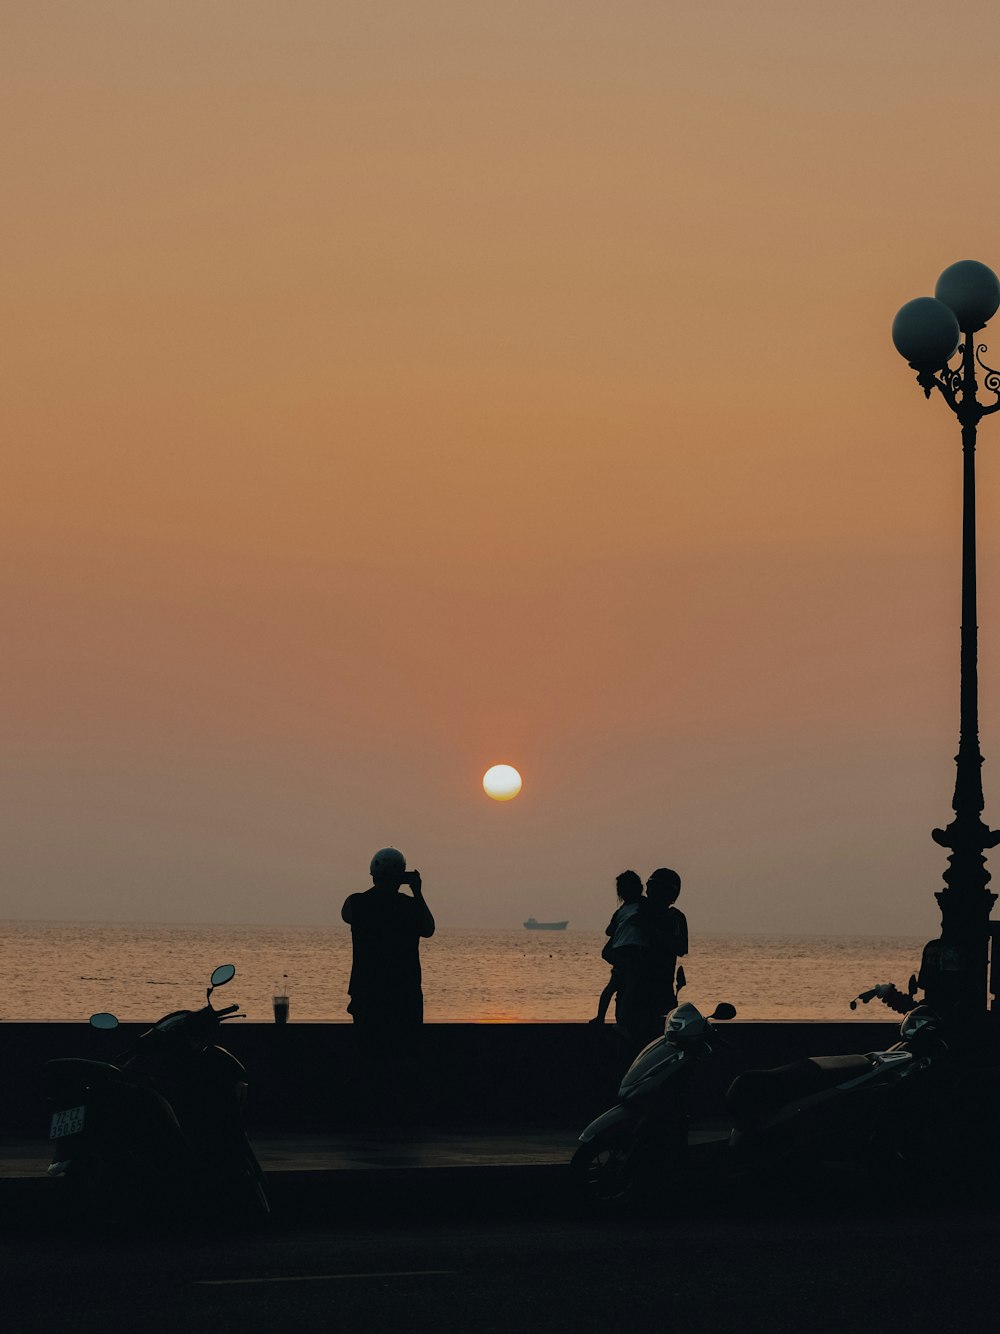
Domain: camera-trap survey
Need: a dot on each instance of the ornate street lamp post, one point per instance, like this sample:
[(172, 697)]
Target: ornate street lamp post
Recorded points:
[(929, 332)]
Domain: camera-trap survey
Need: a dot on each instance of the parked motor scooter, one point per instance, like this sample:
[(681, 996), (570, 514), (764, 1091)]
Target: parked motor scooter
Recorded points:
[(643, 1139), (161, 1128), (880, 1112), (911, 1114)]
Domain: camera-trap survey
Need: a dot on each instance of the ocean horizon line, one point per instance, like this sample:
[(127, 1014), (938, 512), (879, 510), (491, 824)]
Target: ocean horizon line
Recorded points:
[(336, 923)]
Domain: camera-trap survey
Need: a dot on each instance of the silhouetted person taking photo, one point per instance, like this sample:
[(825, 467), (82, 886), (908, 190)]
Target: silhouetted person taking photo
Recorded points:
[(386, 929)]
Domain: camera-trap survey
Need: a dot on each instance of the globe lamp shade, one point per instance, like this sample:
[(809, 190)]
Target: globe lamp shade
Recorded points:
[(972, 291), (926, 333)]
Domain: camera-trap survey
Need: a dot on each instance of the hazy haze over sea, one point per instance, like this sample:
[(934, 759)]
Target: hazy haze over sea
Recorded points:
[(67, 971)]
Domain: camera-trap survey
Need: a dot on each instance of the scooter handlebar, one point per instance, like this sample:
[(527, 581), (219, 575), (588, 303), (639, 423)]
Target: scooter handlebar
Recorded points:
[(230, 1009), (881, 990)]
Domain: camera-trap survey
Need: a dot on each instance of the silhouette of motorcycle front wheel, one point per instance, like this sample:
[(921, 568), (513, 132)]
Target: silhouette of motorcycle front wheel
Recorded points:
[(611, 1170), (253, 1191)]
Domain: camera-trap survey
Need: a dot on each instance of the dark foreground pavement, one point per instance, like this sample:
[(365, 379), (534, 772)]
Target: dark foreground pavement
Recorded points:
[(710, 1274), (442, 1231), (396, 1172), (315, 1178)]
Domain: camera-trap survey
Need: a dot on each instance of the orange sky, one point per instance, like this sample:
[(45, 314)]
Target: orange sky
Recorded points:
[(392, 390)]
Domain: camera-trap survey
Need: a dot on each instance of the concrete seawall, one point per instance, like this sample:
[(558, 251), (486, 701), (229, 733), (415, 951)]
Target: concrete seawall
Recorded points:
[(312, 1076)]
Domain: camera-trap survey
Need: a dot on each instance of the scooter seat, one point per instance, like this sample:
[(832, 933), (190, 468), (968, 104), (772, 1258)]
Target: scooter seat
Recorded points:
[(757, 1092), (66, 1075)]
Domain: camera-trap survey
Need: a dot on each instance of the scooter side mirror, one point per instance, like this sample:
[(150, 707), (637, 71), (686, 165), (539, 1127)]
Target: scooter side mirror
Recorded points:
[(912, 985), (103, 1020), (723, 1011), (223, 974)]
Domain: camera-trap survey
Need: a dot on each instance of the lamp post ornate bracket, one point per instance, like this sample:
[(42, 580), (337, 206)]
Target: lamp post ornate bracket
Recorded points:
[(927, 332)]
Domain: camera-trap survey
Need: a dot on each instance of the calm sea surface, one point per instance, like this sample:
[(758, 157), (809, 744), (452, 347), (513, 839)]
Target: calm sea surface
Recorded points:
[(67, 971)]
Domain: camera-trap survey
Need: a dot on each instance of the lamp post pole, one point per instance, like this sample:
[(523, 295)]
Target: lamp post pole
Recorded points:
[(929, 332)]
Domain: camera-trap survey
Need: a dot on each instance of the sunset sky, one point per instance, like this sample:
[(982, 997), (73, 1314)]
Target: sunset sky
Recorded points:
[(392, 390)]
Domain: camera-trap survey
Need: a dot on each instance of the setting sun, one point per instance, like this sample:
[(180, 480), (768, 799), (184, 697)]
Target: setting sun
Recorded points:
[(502, 782)]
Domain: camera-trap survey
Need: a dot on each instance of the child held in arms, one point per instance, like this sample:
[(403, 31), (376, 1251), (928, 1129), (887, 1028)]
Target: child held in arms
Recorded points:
[(621, 936)]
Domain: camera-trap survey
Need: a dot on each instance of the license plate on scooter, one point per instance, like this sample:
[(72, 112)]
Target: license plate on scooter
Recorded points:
[(66, 1123)]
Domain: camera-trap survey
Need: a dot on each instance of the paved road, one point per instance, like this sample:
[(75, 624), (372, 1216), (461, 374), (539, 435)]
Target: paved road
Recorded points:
[(712, 1274)]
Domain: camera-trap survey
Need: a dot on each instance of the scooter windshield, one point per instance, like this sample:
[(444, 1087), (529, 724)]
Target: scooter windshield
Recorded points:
[(686, 1021)]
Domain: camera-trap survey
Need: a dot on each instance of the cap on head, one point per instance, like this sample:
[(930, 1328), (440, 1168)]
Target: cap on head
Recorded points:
[(388, 862)]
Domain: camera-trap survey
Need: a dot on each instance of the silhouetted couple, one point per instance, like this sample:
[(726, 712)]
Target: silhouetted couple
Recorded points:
[(646, 936)]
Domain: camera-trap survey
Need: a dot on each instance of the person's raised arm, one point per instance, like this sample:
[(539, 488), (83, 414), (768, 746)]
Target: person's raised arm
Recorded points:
[(425, 921)]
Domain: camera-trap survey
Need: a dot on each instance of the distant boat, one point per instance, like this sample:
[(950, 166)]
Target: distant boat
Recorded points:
[(532, 924)]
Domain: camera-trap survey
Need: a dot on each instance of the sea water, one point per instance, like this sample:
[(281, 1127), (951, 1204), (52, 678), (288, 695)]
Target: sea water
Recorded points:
[(67, 971)]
